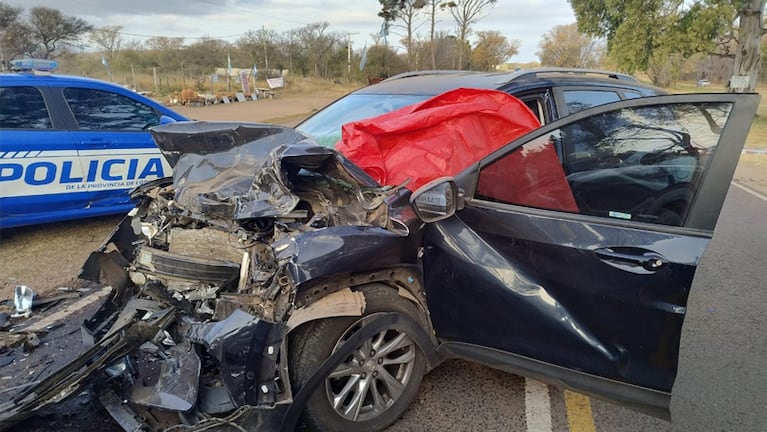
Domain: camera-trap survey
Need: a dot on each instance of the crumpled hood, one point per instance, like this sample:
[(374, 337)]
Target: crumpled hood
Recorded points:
[(235, 171)]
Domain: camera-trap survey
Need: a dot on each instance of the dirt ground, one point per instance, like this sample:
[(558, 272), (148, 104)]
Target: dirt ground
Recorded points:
[(49, 256)]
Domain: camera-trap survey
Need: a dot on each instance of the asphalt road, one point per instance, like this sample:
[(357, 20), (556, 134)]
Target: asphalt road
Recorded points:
[(720, 387)]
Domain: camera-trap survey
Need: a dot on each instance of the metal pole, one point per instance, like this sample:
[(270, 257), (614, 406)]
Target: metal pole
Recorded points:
[(154, 72), (266, 59), (349, 52)]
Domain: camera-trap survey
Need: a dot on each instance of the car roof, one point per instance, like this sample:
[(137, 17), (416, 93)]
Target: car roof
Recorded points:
[(439, 81), (23, 79), (27, 78)]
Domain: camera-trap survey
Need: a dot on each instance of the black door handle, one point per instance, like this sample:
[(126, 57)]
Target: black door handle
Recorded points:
[(648, 260)]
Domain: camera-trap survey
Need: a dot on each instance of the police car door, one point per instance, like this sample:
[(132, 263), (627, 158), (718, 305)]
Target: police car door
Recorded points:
[(39, 170), (115, 146)]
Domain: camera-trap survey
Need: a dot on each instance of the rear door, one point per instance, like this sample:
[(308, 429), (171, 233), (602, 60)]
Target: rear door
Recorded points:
[(574, 256)]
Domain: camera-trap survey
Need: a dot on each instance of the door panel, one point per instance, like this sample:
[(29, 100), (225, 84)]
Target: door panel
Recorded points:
[(542, 290), (602, 292), (115, 147)]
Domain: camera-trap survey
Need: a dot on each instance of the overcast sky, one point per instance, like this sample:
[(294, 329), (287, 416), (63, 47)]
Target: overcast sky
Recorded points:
[(524, 20)]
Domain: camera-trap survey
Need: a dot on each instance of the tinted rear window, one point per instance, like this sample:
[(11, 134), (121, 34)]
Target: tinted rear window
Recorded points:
[(579, 100), (23, 108)]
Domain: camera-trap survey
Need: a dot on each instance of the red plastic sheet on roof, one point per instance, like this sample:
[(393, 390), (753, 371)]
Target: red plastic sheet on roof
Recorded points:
[(438, 137)]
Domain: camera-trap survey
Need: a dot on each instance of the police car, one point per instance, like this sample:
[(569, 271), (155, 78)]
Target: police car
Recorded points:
[(72, 147)]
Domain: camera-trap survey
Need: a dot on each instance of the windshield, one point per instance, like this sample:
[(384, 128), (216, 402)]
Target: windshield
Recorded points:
[(325, 126)]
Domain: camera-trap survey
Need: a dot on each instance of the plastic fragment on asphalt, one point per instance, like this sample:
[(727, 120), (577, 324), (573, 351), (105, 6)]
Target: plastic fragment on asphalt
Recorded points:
[(23, 301)]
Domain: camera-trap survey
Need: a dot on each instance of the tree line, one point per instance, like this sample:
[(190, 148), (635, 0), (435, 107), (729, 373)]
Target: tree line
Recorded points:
[(313, 50), (665, 39)]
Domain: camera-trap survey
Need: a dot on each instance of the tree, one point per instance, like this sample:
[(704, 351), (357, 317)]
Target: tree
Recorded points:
[(408, 13), (565, 46), (433, 7), (492, 49), (748, 54), (203, 57), (382, 62), (445, 47), (645, 34), (167, 54), (53, 31), (108, 38), (317, 46), (466, 13), (15, 40), (163, 43)]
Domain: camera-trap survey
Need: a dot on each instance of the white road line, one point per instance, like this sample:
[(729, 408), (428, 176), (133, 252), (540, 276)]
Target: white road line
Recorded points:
[(749, 190), (537, 406)]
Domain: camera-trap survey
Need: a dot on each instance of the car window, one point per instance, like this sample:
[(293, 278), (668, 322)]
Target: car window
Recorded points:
[(641, 164), (325, 126), (23, 108), (103, 110), (579, 100), (536, 106)]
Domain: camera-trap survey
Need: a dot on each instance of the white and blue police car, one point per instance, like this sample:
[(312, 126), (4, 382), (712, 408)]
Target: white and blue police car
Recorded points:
[(72, 147)]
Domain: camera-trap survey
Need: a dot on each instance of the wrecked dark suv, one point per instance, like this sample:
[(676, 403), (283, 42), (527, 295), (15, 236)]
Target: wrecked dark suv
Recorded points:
[(273, 282)]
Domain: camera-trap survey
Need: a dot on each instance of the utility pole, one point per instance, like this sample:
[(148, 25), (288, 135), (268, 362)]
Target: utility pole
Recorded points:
[(349, 52), (266, 59)]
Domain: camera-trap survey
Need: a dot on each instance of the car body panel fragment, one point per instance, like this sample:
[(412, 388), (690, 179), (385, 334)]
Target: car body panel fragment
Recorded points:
[(177, 384), (247, 350)]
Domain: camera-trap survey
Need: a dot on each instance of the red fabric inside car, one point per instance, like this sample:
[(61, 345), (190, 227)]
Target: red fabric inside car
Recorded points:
[(448, 133), (530, 176)]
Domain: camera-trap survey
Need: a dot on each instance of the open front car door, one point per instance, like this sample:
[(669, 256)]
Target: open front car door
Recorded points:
[(574, 255)]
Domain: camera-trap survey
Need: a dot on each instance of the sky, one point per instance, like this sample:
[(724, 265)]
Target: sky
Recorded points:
[(523, 20)]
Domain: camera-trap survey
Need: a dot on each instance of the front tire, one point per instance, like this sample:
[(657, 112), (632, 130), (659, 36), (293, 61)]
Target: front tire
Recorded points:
[(375, 384)]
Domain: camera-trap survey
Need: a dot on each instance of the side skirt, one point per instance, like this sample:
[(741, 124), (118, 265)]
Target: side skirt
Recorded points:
[(648, 401)]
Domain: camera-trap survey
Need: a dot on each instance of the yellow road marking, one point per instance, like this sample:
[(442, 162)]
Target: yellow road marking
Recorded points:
[(579, 416)]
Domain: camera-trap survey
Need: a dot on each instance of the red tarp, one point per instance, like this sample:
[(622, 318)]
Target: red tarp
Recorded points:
[(438, 137), (448, 133)]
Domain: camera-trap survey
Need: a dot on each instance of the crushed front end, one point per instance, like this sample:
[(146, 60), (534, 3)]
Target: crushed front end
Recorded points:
[(207, 271)]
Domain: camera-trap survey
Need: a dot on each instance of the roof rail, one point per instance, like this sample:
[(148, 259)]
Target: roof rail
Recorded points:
[(532, 73), (425, 72), (520, 74)]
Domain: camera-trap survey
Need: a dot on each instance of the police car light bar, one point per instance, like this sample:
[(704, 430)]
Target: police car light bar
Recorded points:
[(34, 65)]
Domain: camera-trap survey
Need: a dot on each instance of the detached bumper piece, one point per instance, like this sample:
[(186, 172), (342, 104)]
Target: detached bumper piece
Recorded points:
[(118, 343), (223, 375), (154, 367)]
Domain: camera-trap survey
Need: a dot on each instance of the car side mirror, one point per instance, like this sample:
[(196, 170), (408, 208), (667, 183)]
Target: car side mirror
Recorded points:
[(437, 200)]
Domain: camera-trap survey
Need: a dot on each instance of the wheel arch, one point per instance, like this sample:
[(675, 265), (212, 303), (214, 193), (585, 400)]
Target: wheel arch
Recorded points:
[(343, 296), (339, 298)]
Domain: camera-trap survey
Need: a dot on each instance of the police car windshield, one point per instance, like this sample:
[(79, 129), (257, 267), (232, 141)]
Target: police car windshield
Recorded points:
[(325, 126)]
